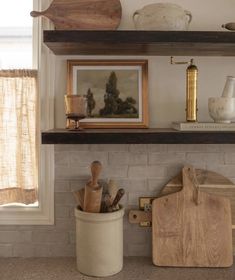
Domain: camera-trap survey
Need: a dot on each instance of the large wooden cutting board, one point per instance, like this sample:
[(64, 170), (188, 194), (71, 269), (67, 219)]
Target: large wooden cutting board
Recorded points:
[(190, 230), (210, 182), (83, 14)]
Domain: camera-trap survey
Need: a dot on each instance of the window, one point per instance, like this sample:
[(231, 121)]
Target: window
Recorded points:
[(26, 168), (16, 28)]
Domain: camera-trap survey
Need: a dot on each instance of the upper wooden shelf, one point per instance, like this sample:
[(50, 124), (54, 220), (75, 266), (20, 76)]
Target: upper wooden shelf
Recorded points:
[(125, 42), (135, 136)]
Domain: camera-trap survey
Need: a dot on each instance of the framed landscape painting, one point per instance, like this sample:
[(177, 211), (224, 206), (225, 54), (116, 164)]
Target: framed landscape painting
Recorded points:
[(116, 92)]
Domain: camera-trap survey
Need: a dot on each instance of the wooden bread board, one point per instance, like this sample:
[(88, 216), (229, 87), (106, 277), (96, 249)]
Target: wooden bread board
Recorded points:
[(210, 182), (83, 14), (191, 228)]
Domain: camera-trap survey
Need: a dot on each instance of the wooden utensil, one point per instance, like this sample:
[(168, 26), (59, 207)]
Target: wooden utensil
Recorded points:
[(83, 14), (93, 191), (79, 196), (118, 197), (112, 189), (191, 232)]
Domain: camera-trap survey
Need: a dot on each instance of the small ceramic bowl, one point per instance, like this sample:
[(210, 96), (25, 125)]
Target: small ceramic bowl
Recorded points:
[(222, 109)]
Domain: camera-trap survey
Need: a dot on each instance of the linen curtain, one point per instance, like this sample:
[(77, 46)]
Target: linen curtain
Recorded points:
[(18, 136)]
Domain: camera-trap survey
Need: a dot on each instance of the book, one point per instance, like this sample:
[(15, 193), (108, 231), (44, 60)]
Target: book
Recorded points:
[(200, 126)]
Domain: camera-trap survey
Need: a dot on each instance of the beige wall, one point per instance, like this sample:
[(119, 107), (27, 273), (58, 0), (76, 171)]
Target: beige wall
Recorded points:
[(167, 82)]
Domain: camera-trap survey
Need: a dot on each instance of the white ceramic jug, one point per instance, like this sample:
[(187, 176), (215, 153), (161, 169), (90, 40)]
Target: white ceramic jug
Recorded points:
[(162, 16)]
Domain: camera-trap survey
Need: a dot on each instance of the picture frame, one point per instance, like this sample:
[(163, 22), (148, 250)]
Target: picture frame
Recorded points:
[(116, 91)]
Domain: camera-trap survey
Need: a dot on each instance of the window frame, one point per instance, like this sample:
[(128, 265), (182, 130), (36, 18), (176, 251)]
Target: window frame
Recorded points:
[(44, 61)]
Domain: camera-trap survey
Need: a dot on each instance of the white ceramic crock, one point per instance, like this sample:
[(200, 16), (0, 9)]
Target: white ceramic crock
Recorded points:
[(99, 242), (162, 16)]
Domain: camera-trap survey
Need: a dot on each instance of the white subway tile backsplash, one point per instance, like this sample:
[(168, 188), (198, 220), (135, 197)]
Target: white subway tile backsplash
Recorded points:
[(138, 158), (137, 185), (198, 158), (50, 237), (72, 147), (157, 148), (85, 158), (115, 171), (109, 147), (138, 148), (64, 198), (25, 250), (165, 158), (156, 171), (229, 158), (71, 173), (137, 172), (119, 158), (15, 236), (61, 211), (62, 186), (186, 148), (62, 158), (142, 170)]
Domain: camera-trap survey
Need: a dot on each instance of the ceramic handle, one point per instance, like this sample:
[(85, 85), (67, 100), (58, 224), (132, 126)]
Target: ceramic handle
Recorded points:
[(189, 14), (136, 13)]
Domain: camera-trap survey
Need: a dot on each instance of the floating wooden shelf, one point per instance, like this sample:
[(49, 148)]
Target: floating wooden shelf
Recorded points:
[(126, 42), (135, 136), (162, 43)]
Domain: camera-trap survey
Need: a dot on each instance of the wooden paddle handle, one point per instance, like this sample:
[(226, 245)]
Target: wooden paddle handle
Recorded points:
[(95, 173), (92, 199), (190, 183), (37, 14)]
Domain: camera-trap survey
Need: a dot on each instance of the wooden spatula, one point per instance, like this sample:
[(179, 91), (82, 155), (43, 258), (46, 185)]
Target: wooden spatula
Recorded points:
[(83, 14), (192, 228), (93, 191)]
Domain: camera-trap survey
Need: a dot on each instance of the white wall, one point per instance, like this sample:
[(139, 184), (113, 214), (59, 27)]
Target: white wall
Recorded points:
[(167, 82)]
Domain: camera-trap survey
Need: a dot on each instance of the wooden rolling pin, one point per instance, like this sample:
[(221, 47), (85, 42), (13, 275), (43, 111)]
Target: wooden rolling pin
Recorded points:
[(93, 191)]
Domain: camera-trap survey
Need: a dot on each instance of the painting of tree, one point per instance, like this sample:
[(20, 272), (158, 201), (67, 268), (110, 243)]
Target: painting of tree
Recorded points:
[(114, 105), (90, 102)]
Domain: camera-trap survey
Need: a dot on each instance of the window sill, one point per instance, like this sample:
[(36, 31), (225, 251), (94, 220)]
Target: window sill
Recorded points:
[(44, 214)]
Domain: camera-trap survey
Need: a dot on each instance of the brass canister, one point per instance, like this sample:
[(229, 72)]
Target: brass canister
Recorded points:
[(191, 92)]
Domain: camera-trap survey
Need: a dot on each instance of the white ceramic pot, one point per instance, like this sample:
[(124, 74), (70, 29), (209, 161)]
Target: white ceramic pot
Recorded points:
[(222, 109), (99, 242), (162, 16)]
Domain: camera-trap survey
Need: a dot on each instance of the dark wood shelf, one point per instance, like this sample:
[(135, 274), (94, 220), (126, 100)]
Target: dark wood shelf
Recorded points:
[(126, 42), (135, 136)]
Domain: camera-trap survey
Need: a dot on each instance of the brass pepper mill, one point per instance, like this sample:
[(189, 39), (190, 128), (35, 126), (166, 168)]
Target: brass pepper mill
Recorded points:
[(191, 90)]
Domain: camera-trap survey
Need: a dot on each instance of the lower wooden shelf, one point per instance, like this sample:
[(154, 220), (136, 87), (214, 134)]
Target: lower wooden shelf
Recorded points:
[(136, 136)]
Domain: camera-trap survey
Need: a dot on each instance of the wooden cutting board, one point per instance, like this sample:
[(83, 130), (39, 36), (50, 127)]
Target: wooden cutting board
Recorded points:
[(210, 182), (191, 228), (83, 14)]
